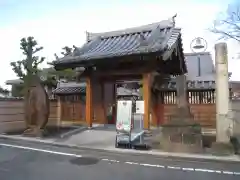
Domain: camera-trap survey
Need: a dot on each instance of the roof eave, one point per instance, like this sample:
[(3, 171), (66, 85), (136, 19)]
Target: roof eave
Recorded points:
[(78, 62)]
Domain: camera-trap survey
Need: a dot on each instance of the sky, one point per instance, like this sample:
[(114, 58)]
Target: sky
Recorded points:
[(57, 23)]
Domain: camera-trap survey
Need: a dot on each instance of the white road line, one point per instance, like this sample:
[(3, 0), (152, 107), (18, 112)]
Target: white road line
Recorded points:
[(127, 162), (133, 163), (184, 169), (105, 159), (160, 166), (206, 170), (227, 172), (148, 165), (110, 160), (173, 167), (40, 150), (187, 169)]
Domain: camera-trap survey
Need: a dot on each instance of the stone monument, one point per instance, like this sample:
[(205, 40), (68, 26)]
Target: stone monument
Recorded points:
[(36, 108), (180, 133)]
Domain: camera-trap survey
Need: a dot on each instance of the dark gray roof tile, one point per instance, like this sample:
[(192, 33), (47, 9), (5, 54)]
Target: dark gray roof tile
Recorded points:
[(69, 90), (80, 89), (151, 38)]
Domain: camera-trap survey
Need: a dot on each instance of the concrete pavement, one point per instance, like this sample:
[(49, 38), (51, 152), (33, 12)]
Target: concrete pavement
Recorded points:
[(29, 161)]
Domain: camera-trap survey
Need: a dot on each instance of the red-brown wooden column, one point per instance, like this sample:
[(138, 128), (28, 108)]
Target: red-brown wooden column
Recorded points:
[(114, 110), (98, 101), (146, 98), (154, 113), (89, 102), (102, 111)]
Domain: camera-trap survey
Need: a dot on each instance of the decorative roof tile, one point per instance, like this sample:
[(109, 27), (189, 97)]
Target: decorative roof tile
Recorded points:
[(156, 37), (77, 90), (69, 90)]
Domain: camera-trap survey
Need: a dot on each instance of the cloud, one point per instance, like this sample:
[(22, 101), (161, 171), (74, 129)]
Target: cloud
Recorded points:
[(57, 30)]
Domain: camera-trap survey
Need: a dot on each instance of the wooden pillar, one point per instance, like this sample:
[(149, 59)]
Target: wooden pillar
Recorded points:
[(154, 110), (98, 101), (89, 100), (59, 111), (114, 110), (160, 109), (102, 111), (146, 98)]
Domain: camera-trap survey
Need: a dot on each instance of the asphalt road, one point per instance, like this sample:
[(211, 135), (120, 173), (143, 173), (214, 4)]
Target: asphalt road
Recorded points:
[(27, 161)]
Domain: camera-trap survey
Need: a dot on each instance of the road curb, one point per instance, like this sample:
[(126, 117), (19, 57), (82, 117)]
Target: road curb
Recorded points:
[(72, 132), (166, 155)]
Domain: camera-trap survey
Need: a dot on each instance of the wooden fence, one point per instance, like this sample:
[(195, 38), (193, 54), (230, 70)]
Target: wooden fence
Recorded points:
[(202, 106), (12, 115)]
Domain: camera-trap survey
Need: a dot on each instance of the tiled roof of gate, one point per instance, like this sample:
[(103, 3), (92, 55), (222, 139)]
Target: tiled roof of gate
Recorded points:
[(156, 37), (77, 89), (69, 90)]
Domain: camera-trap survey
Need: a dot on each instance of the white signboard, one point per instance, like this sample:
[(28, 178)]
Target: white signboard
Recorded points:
[(140, 107), (124, 116)]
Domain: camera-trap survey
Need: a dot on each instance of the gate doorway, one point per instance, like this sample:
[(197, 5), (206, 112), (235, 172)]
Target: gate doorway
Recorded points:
[(73, 108)]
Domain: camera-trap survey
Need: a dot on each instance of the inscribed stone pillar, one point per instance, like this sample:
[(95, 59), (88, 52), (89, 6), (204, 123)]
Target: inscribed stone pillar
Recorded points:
[(181, 84), (183, 109), (223, 123)]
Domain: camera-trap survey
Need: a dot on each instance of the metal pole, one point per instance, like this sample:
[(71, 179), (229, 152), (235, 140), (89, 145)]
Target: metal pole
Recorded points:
[(141, 128), (199, 65)]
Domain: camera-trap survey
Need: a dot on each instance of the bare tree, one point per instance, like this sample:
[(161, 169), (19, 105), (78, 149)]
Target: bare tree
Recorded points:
[(228, 24)]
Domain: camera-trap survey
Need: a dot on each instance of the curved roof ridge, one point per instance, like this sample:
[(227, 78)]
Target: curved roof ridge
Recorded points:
[(138, 29)]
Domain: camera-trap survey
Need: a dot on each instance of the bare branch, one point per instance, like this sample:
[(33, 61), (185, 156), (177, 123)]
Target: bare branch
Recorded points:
[(37, 49), (229, 26)]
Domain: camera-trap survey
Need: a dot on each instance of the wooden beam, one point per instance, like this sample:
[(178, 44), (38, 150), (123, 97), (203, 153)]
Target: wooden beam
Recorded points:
[(115, 78), (128, 72), (89, 100), (146, 98)]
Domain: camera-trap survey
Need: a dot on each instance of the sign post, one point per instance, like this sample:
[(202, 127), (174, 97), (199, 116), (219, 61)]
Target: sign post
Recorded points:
[(140, 111), (124, 122), (124, 116)]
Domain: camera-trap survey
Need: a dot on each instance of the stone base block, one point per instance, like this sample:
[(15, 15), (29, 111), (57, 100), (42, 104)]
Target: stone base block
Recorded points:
[(222, 149), (179, 147)]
